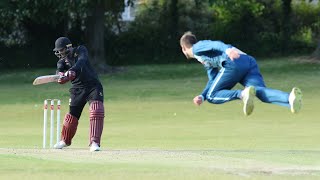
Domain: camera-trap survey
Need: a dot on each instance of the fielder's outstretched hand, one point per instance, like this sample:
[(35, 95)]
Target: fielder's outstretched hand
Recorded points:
[(197, 100)]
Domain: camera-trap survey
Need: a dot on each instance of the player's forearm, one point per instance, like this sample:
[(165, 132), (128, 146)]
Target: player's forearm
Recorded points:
[(219, 46), (212, 73), (82, 58), (225, 48), (79, 64), (205, 90), (204, 46)]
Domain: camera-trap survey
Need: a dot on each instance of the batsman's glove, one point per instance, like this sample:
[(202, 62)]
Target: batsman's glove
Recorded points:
[(67, 76), (70, 74), (62, 79)]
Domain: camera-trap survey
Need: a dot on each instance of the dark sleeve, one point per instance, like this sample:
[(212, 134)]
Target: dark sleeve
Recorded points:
[(60, 66), (82, 54)]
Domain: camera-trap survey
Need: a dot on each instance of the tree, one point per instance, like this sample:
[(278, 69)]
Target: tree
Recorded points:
[(307, 18), (286, 23), (87, 16), (97, 11), (316, 53), (170, 21), (95, 35)]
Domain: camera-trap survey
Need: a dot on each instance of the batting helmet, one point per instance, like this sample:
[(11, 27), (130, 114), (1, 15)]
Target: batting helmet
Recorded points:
[(62, 47)]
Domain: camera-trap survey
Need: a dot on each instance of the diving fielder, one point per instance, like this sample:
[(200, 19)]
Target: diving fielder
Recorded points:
[(226, 66), (74, 66)]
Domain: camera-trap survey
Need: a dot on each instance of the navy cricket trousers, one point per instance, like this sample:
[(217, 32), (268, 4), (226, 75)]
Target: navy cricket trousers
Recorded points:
[(245, 71)]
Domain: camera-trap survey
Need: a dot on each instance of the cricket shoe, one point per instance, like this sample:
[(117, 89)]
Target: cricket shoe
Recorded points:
[(248, 95), (60, 145), (94, 147), (295, 100)]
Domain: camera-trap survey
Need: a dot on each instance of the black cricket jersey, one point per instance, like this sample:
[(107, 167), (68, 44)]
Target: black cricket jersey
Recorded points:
[(78, 61)]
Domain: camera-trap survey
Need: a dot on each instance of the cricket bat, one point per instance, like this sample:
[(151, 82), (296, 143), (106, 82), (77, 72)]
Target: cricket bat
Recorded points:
[(46, 79)]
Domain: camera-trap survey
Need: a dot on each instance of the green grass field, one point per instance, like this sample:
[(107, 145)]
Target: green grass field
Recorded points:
[(153, 130)]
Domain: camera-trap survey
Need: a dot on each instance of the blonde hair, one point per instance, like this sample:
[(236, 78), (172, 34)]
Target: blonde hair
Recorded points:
[(188, 39)]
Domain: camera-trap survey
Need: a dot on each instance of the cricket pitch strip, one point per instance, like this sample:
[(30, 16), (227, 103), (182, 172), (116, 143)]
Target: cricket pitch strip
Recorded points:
[(239, 162)]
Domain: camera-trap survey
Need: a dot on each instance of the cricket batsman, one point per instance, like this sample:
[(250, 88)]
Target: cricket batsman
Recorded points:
[(74, 66)]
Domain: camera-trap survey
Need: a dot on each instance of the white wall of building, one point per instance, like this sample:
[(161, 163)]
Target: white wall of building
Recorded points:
[(129, 12)]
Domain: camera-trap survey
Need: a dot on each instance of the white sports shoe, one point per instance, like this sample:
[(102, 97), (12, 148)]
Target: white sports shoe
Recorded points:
[(94, 147), (60, 145), (248, 95), (295, 100)]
